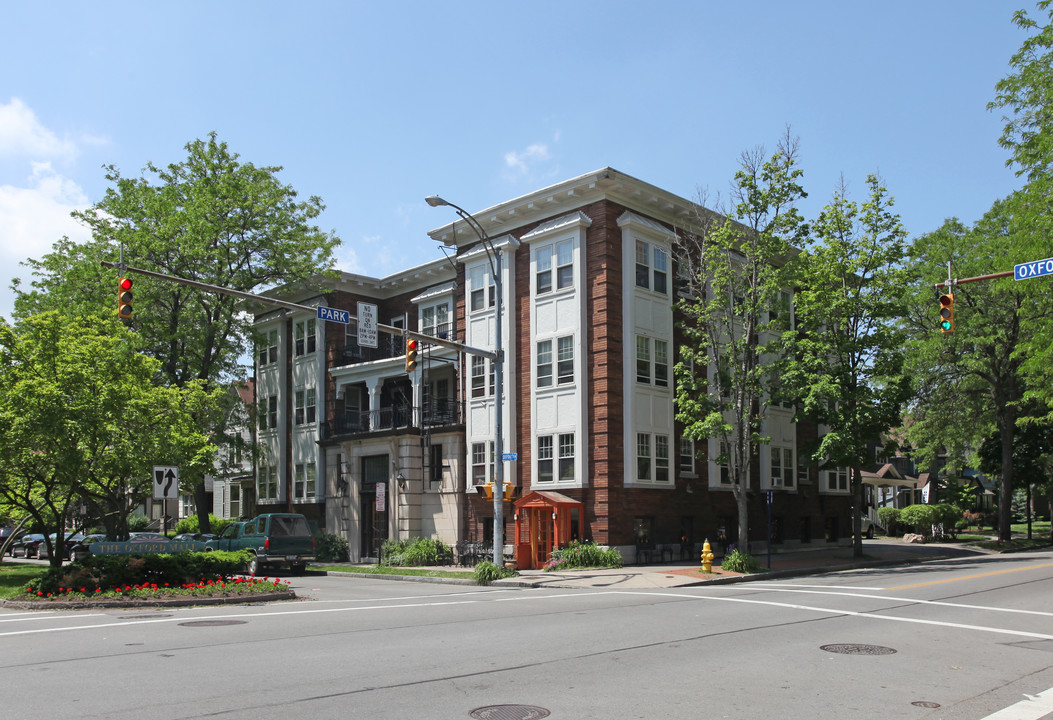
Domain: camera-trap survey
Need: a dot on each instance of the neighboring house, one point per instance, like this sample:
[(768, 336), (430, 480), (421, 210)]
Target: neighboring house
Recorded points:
[(234, 482), (370, 451)]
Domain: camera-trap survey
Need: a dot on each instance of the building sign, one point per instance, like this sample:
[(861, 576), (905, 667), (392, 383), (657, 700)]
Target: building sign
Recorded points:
[(367, 325), (382, 497)]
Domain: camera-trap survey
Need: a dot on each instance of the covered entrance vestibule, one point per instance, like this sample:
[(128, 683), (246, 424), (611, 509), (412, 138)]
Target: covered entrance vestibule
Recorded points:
[(544, 520)]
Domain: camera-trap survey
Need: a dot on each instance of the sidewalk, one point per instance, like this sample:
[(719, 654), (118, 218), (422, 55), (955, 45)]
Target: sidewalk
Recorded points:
[(877, 553)]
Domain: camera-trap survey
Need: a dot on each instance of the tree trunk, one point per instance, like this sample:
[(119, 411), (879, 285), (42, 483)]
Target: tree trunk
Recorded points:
[(1005, 495)]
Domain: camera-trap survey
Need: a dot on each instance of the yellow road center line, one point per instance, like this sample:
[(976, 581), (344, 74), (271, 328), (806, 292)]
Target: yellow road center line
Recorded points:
[(971, 577)]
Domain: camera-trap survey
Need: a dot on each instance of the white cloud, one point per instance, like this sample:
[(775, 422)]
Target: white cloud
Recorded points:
[(523, 162), (35, 199), (22, 135)]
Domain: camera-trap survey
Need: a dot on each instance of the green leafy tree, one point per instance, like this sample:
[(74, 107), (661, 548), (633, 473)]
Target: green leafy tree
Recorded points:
[(734, 275), (79, 411), (971, 382), (1026, 95), (843, 360), (209, 218)]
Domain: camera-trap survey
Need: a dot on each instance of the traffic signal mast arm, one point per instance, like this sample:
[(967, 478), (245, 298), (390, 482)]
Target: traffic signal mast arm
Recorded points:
[(389, 329), (994, 276)]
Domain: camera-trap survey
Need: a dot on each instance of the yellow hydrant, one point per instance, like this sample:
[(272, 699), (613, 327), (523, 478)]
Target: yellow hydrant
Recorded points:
[(707, 557)]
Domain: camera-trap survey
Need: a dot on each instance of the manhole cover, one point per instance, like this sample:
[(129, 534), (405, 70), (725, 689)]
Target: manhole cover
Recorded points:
[(509, 712), (211, 623), (857, 649), (925, 704)]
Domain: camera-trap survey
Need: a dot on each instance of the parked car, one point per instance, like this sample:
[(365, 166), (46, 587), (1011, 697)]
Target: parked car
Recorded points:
[(146, 537), (26, 546), (6, 533), (43, 553), (867, 527), (275, 539), (82, 548)]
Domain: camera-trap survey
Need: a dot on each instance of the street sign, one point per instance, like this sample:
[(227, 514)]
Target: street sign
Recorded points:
[(166, 482), (367, 325), (1032, 269), (334, 315), (509, 457)]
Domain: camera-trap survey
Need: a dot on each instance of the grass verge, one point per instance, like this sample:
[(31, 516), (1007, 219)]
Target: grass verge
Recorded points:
[(381, 570), (14, 578)]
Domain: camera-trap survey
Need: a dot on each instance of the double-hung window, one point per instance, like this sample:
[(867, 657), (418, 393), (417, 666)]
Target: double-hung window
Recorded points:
[(479, 377), (271, 420), (652, 361), (547, 448), (564, 362), (306, 337), (837, 480), (305, 411), (482, 293), (782, 466), (435, 320), (269, 348), (652, 268), (480, 463), (562, 254)]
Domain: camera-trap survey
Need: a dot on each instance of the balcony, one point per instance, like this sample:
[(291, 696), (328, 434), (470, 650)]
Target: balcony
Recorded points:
[(440, 414), (391, 346)]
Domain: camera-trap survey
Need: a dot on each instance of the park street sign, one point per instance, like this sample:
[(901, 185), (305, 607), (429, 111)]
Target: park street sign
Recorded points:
[(1032, 269), (334, 315)]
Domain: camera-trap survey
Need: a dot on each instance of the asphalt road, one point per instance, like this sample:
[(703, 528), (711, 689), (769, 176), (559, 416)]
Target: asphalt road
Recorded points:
[(963, 638)]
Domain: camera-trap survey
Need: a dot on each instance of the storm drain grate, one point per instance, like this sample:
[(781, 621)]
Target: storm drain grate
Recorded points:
[(211, 623), (509, 712), (857, 649)]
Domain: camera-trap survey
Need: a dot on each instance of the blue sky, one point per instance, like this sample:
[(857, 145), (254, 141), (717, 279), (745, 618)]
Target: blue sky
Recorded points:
[(374, 105)]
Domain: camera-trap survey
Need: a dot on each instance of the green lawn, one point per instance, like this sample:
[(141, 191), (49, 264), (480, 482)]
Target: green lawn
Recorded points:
[(14, 576)]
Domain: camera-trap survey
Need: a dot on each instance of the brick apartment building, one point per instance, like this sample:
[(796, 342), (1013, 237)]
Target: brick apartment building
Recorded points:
[(369, 451)]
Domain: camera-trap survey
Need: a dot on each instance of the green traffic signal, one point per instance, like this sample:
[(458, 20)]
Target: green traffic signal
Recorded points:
[(947, 312)]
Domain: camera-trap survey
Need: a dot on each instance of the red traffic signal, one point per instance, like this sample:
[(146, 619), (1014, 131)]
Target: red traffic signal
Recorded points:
[(124, 298), (947, 312), (411, 355)]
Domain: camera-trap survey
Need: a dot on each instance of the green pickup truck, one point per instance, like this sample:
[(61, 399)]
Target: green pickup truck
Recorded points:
[(275, 540)]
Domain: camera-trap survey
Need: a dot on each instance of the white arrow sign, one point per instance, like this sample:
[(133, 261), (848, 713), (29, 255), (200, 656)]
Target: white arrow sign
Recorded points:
[(166, 482)]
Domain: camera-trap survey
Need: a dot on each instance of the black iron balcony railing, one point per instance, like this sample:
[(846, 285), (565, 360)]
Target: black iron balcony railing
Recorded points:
[(390, 347), (444, 413)]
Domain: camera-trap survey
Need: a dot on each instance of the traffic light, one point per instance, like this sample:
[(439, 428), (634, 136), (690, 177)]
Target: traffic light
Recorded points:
[(947, 312), (411, 355), (124, 298)]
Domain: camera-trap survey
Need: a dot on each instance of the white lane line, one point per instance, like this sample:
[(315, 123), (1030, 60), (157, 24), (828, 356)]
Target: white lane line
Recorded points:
[(47, 616), (194, 618), (1031, 708), (850, 613), (900, 599)]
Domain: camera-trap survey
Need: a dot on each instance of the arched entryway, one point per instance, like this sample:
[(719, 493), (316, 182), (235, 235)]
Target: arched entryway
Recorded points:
[(544, 520)]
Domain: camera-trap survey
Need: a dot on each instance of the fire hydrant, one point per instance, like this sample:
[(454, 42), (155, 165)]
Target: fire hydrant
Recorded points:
[(707, 557)]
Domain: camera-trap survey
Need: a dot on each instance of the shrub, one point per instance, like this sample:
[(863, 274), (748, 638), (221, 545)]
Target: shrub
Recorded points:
[(138, 523), (331, 548), (890, 518), (486, 572), (740, 562), (191, 524), (106, 572), (583, 555), (415, 552)]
